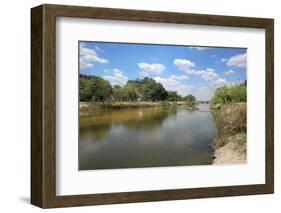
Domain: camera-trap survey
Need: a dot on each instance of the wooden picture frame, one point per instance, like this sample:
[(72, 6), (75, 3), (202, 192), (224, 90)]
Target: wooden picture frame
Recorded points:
[(43, 105)]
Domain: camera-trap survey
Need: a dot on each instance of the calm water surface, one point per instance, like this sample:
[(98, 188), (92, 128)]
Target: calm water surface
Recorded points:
[(146, 137)]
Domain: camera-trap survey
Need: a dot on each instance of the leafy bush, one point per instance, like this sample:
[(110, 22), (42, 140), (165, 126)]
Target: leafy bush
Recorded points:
[(232, 94)]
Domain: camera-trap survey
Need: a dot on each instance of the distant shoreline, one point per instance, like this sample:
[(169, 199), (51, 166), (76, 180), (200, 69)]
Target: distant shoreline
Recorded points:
[(88, 106)]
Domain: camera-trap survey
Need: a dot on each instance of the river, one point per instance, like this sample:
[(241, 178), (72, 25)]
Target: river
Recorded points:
[(146, 137)]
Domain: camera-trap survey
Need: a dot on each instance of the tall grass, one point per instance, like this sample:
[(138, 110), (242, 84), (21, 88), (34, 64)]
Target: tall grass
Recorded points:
[(230, 120), (230, 112)]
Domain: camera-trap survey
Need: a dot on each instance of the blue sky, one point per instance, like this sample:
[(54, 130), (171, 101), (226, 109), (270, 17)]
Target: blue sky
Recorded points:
[(185, 69)]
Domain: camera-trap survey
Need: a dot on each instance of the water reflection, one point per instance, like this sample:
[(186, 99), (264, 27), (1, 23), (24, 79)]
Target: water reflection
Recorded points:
[(146, 137)]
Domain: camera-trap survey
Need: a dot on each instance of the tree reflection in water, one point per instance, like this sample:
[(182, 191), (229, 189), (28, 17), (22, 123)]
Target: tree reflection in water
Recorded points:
[(145, 137)]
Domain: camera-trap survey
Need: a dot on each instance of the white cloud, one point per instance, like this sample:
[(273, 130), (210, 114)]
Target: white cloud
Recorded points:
[(237, 60), (202, 93), (220, 81), (233, 83), (98, 49), (148, 69), (181, 77), (223, 82), (168, 83), (199, 48), (185, 65), (205, 93), (188, 67), (171, 81), (229, 72), (84, 64), (185, 89), (173, 84), (165, 81), (117, 77), (208, 74), (88, 57)]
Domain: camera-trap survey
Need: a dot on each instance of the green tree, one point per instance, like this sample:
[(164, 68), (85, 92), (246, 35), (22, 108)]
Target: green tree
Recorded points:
[(85, 90), (94, 88), (118, 93), (190, 99), (173, 96), (149, 90), (129, 92)]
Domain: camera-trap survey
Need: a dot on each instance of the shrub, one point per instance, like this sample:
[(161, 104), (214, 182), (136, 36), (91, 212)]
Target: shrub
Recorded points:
[(232, 94)]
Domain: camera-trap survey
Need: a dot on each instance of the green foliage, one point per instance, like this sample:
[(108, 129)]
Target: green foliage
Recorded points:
[(148, 89), (232, 94), (129, 93), (93, 88), (126, 93), (173, 96), (96, 89), (190, 99), (118, 93), (230, 113)]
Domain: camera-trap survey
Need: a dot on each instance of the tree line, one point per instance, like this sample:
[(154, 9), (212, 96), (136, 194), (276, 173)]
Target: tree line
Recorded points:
[(232, 94), (97, 89)]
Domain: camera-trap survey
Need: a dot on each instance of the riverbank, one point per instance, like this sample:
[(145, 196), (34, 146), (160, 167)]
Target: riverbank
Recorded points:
[(230, 144), (90, 106)]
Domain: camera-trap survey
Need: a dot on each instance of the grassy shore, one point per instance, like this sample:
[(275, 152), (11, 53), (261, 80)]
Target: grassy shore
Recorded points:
[(230, 144), (89, 106)]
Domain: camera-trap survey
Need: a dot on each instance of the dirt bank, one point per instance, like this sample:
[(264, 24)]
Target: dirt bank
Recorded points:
[(230, 145), (233, 152)]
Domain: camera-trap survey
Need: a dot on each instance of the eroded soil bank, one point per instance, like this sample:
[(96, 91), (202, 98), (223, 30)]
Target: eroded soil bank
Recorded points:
[(230, 145)]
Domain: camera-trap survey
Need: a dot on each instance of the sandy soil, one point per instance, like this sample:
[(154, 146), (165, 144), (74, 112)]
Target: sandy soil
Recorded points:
[(231, 153)]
